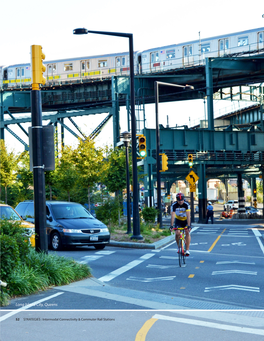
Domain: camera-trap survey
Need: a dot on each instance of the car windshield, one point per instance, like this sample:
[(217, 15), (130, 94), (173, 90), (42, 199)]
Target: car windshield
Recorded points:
[(70, 211), (7, 212)]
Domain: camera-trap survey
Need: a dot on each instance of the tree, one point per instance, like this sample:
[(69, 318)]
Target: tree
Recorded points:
[(65, 173), (88, 162), (8, 167), (115, 174)]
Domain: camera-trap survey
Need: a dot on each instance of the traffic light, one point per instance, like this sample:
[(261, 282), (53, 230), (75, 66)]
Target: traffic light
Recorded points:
[(142, 146), (164, 162), (190, 160), (37, 68), (255, 203)]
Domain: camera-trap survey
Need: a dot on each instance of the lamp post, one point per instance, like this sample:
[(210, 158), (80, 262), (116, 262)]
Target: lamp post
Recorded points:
[(126, 139), (136, 224), (156, 90)]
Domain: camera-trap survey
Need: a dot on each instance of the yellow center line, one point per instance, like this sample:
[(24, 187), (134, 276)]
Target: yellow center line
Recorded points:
[(213, 245), (142, 333)]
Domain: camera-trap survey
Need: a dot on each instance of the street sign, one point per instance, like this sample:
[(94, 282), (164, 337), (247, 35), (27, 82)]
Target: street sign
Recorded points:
[(192, 188), (192, 177)]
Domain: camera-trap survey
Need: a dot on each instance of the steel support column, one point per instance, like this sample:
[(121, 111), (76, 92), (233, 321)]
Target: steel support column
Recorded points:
[(241, 199), (202, 192), (209, 93)]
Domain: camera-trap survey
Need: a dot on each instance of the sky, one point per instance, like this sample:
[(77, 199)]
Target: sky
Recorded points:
[(153, 24)]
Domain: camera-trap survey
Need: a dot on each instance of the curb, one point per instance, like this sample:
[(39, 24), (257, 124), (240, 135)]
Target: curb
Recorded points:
[(156, 245)]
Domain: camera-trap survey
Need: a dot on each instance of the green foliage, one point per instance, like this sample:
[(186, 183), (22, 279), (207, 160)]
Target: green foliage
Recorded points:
[(8, 168), (115, 174), (149, 214), (25, 271), (9, 254), (108, 212)]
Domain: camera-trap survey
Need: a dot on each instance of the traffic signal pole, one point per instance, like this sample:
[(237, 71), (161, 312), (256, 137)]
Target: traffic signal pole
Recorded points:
[(37, 69)]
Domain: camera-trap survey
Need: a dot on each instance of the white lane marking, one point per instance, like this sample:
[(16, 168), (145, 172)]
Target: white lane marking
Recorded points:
[(125, 268), (28, 306), (235, 262), (150, 280), (234, 272), (232, 287), (220, 326), (257, 235)]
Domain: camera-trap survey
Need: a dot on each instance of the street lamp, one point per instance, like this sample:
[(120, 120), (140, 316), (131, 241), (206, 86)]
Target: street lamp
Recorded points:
[(126, 139), (136, 224), (156, 90)]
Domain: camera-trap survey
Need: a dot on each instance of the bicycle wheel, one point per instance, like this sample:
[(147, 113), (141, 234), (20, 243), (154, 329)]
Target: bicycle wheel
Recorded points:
[(183, 251), (180, 255)]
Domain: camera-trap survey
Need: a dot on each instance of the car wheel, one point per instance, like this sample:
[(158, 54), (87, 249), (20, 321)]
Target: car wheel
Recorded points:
[(99, 247), (56, 244)]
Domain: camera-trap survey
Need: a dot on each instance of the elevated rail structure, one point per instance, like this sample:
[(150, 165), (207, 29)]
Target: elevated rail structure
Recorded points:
[(218, 149)]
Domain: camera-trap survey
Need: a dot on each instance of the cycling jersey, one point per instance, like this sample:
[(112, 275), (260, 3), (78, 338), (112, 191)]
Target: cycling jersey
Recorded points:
[(180, 213)]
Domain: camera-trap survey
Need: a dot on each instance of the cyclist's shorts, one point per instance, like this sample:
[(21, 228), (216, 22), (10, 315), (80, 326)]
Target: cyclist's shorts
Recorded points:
[(180, 223)]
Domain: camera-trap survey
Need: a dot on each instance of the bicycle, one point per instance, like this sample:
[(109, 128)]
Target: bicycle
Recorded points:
[(182, 245)]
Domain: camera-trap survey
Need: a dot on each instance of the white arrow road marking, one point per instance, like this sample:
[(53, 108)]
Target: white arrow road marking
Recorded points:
[(148, 280), (160, 266), (168, 257), (105, 252), (235, 262), (125, 268), (257, 235), (234, 272), (232, 287), (87, 259), (220, 326), (239, 244)]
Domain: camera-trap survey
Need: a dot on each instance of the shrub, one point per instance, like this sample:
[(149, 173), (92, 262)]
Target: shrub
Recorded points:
[(108, 212), (149, 214)]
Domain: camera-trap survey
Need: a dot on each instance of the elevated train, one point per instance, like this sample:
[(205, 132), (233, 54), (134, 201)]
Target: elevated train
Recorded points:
[(159, 59)]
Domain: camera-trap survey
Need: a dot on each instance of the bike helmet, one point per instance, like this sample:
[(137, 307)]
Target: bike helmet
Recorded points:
[(179, 197), (209, 203)]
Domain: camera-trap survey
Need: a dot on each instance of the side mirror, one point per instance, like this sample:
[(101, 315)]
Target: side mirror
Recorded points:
[(49, 218)]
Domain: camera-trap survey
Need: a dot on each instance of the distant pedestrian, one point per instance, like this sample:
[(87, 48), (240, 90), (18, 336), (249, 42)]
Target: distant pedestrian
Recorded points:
[(210, 213)]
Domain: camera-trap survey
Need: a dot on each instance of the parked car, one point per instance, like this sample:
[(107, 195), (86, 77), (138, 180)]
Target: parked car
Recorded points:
[(252, 211), (7, 212), (231, 204), (68, 224)]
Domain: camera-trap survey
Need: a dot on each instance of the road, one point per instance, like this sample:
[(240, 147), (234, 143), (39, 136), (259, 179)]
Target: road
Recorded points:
[(144, 294)]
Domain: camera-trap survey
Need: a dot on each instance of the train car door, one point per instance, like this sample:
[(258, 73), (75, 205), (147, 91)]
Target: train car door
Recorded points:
[(260, 40), (118, 65), (51, 71), (85, 66), (154, 61), (187, 55), (223, 47)]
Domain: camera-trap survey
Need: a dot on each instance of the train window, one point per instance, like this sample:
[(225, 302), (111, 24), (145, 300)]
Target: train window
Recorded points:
[(170, 54), (154, 57), (118, 62), (22, 72), (261, 37), (18, 72), (68, 67), (102, 63), (123, 61), (242, 41), (205, 47)]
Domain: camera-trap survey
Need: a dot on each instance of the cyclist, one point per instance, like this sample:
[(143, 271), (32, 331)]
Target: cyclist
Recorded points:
[(181, 217)]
